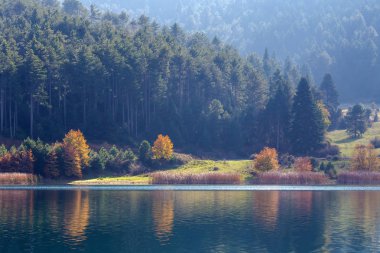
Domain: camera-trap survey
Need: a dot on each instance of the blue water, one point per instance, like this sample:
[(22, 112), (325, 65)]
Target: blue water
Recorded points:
[(55, 219)]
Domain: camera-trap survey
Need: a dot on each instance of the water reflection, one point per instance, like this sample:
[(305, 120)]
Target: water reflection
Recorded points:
[(163, 214), (77, 215), (266, 207), (189, 221)]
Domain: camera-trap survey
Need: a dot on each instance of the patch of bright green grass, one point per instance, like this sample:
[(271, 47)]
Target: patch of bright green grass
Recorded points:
[(347, 144), (124, 180), (193, 167)]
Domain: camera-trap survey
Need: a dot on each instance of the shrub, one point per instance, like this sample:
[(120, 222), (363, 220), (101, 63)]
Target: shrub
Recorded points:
[(203, 178), (287, 161), (376, 142), (303, 164), (359, 177), (163, 148), (145, 152), (329, 170), (292, 178), (328, 150), (266, 160), (364, 159)]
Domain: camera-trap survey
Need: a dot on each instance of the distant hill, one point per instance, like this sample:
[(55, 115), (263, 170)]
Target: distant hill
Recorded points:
[(337, 36)]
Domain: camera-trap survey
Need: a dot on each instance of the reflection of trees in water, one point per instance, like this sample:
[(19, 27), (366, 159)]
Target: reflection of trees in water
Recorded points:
[(355, 216), (17, 207), (77, 215), (163, 214), (266, 207)]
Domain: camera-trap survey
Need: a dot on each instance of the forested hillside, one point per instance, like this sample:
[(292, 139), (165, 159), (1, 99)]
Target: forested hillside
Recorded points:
[(338, 36), (123, 80)]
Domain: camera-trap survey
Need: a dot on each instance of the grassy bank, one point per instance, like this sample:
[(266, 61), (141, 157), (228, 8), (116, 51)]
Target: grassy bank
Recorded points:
[(194, 167), (17, 179), (347, 144)]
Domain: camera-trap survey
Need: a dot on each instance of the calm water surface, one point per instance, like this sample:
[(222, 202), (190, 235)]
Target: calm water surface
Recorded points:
[(104, 220)]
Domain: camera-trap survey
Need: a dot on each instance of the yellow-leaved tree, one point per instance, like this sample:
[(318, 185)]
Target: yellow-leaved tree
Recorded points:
[(163, 148), (75, 140), (266, 160)]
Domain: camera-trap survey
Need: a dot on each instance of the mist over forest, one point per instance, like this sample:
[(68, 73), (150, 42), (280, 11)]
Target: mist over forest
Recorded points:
[(340, 37)]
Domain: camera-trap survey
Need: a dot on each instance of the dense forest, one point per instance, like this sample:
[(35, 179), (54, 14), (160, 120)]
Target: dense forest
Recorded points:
[(123, 80), (338, 36)]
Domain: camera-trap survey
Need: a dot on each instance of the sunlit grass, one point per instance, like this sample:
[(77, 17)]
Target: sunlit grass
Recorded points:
[(124, 180), (347, 144), (194, 167)]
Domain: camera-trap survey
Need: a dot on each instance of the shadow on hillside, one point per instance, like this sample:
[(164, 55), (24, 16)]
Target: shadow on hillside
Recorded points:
[(347, 140)]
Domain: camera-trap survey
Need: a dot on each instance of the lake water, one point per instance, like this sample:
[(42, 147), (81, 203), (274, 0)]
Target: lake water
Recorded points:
[(189, 219)]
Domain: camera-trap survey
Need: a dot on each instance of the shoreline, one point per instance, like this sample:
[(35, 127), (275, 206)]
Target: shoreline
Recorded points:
[(199, 187)]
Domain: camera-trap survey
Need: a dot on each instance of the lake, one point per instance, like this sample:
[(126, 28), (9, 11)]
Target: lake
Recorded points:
[(189, 219)]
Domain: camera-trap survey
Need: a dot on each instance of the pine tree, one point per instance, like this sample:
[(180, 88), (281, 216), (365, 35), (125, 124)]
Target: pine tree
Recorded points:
[(307, 128), (51, 169), (329, 93), (356, 120), (278, 114)]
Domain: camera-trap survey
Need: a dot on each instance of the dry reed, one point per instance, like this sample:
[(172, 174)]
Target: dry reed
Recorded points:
[(292, 178), (359, 177), (17, 179), (202, 178)]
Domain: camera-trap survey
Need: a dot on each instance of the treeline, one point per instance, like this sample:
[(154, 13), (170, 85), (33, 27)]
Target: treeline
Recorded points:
[(340, 36), (73, 158), (121, 80)]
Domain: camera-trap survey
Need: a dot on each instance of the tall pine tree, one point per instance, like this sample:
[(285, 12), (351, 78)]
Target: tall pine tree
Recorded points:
[(307, 129), (278, 114)]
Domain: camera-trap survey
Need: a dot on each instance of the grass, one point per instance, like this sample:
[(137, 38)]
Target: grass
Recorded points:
[(347, 144), (125, 180), (360, 177), (17, 179), (193, 167), (199, 178), (292, 178)]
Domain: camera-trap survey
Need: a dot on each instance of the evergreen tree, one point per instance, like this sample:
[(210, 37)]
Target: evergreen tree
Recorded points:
[(51, 169), (329, 93), (307, 128), (145, 151), (356, 121), (277, 114)]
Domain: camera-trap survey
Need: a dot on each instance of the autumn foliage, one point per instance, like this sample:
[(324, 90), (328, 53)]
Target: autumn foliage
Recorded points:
[(163, 148), (266, 160), (76, 141), (364, 159), (303, 164), (17, 161)]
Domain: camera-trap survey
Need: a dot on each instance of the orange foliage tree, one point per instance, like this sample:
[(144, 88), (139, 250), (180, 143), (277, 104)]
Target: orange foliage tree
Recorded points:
[(163, 148), (303, 164), (72, 162), (76, 140), (266, 160)]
